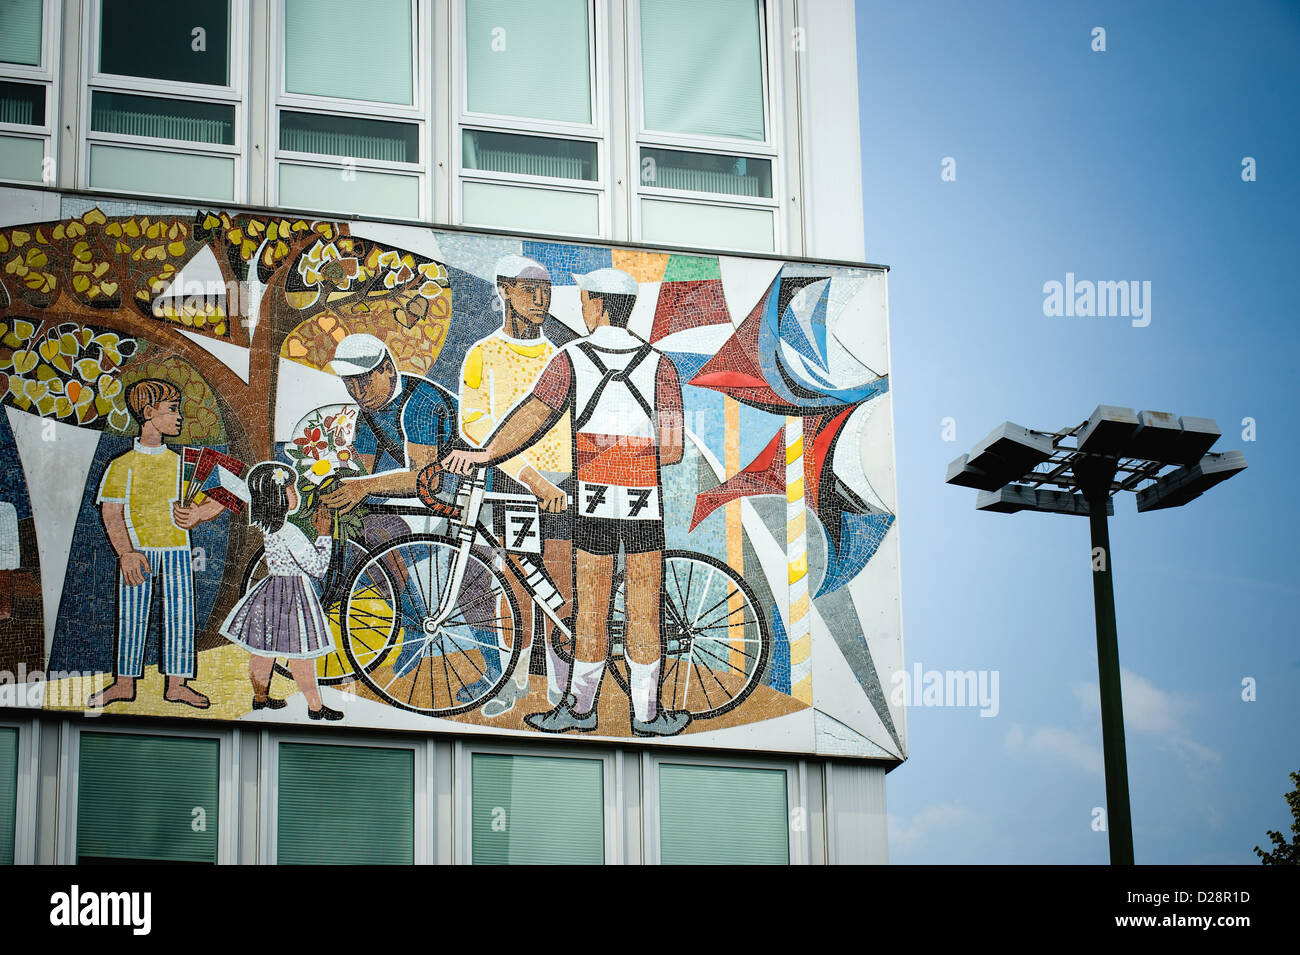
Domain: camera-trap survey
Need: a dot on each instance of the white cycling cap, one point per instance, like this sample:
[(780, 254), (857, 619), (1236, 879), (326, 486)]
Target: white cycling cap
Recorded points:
[(521, 267), (358, 354), (607, 282)]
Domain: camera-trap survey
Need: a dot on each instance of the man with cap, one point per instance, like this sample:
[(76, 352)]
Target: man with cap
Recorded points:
[(498, 371), (626, 403), (403, 423)]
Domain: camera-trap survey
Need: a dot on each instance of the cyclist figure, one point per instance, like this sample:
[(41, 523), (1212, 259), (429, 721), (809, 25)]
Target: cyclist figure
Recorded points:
[(626, 404), (404, 421), (499, 370)]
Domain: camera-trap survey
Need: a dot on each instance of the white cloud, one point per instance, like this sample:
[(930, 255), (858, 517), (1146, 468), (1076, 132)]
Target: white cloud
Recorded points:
[(1054, 742), (1152, 711), (927, 822)]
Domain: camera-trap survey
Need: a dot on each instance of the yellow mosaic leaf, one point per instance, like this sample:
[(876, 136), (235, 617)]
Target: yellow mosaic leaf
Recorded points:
[(94, 217), (121, 248), (88, 369), (80, 283), (75, 229), (176, 248), (58, 231), (48, 349), (109, 288), (20, 238), (113, 228), (210, 221), (131, 228), (4, 244), (40, 237), (81, 251), (36, 258)]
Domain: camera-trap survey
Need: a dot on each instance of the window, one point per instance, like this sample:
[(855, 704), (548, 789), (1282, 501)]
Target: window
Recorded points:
[(8, 793), (704, 146), (345, 804), (27, 90), (531, 143), (164, 105), (537, 809), (718, 814), (352, 115), (147, 798)]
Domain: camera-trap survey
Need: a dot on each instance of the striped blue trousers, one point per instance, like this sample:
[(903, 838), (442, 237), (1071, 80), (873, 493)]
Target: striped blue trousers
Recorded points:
[(172, 566)]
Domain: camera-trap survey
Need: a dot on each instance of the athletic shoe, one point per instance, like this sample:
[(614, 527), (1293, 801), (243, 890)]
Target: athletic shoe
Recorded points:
[(562, 718), (665, 723), (505, 700)]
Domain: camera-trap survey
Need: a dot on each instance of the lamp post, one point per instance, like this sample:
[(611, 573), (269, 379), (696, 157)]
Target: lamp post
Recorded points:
[(1165, 460)]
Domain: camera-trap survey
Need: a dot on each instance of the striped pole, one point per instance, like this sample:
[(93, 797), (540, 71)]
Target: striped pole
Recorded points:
[(796, 555), (735, 539)]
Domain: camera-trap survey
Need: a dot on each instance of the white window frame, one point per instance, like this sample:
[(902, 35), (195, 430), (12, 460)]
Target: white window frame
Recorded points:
[(796, 790), (269, 786), (227, 781), (463, 791), (596, 131), (28, 777), (768, 149), (44, 74), (419, 113), (235, 94)]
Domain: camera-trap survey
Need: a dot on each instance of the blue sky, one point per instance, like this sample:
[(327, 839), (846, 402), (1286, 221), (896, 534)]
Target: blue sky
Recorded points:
[(1116, 165)]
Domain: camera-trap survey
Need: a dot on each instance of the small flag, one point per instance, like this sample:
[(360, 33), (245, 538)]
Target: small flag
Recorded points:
[(217, 476)]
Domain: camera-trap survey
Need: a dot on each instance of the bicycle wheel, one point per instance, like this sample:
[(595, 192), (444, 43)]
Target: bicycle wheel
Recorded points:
[(716, 640), (439, 668), (333, 668)]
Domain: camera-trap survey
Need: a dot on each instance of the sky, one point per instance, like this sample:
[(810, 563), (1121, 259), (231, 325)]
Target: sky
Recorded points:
[(1122, 164)]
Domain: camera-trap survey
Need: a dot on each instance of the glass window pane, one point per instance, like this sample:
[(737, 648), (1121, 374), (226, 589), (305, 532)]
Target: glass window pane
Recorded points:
[(706, 172), (21, 158), (137, 796), (349, 136), (722, 815), (8, 792), (345, 805), (702, 67), (349, 50), (158, 40), (22, 103), (162, 173), (705, 226), (162, 118), (536, 209), (363, 193), (529, 59), (20, 40), (528, 155), (535, 809)]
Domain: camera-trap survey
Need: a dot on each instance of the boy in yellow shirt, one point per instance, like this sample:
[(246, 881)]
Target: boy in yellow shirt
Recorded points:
[(139, 499)]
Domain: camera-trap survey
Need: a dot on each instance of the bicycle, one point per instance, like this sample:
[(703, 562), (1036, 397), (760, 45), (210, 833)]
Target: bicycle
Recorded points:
[(458, 611)]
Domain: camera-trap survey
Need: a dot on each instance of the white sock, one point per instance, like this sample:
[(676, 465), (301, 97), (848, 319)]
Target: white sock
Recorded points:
[(645, 689), (557, 672), (586, 681), (521, 667)]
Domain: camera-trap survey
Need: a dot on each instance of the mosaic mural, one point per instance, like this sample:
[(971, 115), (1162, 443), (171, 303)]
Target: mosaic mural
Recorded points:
[(275, 469)]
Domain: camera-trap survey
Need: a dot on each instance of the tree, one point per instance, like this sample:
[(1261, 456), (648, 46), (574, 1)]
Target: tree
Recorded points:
[(1285, 853)]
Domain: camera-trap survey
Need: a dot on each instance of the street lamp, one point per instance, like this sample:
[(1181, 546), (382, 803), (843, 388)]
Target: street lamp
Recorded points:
[(1165, 460)]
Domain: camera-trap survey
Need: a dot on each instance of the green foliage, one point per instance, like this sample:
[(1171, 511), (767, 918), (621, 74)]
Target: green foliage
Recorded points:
[(1285, 853)]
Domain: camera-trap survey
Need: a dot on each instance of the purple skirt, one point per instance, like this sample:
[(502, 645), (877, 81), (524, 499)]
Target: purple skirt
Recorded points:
[(282, 617)]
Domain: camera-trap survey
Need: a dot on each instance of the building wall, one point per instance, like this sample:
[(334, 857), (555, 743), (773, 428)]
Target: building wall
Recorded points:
[(821, 568)]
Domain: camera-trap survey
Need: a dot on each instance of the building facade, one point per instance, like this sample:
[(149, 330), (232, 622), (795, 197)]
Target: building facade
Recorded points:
[(441, 431)]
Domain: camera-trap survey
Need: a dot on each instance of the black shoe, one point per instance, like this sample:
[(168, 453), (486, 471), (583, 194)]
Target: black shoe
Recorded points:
[(325, 713), (269, 704)]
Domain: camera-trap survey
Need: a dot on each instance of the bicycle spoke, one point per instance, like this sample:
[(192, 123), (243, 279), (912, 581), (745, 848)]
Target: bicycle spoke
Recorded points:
[(463, 652), (703, 689), (415, 681), (714, 656)]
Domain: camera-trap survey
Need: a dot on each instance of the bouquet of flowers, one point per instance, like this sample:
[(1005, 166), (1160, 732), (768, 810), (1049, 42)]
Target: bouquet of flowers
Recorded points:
[(322, 454)]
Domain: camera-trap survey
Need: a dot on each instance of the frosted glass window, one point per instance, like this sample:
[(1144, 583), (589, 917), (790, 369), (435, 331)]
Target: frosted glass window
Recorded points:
[(21, 158), (349, 50), (707, 227), (535, 809), (722, 815), (349, 136), (528, 155), (530, 210), (706, 172), (156, 39), (164, 173), (20, 40), (162, 118), (8, 786), (702, 67), (529, 59), (366, 193)]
